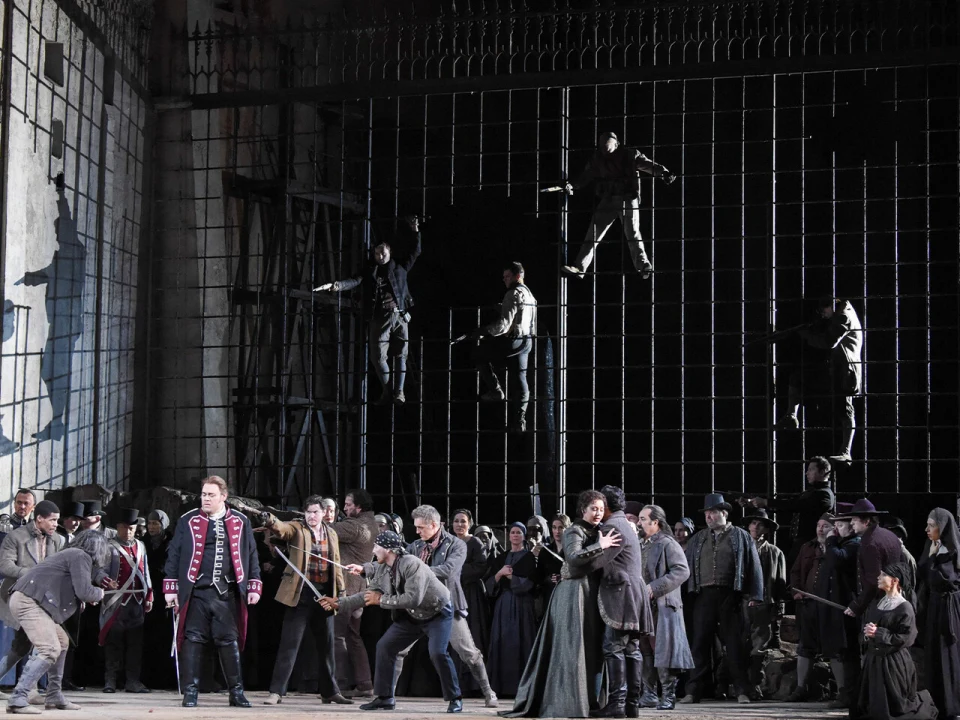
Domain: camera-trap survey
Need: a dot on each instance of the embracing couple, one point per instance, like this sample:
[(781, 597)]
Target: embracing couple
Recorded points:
[(601, 595)]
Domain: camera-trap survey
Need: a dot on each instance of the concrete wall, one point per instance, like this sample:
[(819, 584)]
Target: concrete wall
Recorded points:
[(71, 255)]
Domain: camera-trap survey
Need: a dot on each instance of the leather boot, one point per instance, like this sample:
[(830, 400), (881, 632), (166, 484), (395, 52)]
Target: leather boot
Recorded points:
[(518, 418), (190, 656), (230, 662), (617, 690), (36, 666), (649, 699), (668, 684)]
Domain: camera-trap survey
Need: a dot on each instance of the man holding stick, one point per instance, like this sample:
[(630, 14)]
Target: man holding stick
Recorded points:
[(311, 573)]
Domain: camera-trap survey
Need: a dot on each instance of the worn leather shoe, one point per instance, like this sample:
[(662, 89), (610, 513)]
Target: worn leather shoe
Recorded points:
[(238, 699), (689, 700), (338, 699), (64, 704), (359, 691), (272, 699), (380, 703), (455, 706), (71, 687)]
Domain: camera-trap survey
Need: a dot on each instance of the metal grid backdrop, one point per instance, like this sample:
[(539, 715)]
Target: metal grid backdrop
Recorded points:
[(816, 144)]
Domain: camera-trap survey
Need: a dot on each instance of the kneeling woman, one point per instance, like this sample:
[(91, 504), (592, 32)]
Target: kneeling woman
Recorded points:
[(888, 681)]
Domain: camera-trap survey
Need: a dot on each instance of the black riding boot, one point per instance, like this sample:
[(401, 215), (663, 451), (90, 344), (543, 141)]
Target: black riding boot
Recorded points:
[(230, 662), (668, 683), (617, 692), (190, 656)]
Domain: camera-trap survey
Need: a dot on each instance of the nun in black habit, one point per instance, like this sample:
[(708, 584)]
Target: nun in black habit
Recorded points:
[(939, 599), (511, 580), (888, 679)]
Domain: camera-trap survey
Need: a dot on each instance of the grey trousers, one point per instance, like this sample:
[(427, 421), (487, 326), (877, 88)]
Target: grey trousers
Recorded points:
[(352, 663), (461, 642), (608, 211)]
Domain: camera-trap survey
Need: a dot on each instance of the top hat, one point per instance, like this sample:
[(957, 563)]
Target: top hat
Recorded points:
[(632, 507), (761, 514), (72, 509), (91, 508), (126, 516), (860, 508), (715, 501)]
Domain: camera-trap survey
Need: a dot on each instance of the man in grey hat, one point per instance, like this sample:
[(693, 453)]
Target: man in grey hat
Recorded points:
[(615, 171), (724, 571)]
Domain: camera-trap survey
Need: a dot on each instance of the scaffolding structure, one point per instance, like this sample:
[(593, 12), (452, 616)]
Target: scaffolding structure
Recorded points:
[(815, 144)]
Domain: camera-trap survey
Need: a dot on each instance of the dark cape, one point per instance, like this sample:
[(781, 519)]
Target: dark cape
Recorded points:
[(837, 582), (514, 625), (888, 679), (563, 670), (478, 607), (939, 601)]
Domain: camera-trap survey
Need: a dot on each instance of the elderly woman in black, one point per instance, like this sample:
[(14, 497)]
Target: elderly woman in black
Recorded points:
[(938, 572), (888, 680), (42, 600), (471, 579)]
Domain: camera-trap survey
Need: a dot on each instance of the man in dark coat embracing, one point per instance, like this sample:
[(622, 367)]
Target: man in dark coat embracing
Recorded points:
[(625, 609)]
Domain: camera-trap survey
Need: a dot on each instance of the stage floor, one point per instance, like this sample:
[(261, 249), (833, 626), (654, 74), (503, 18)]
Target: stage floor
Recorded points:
[(166, 706)]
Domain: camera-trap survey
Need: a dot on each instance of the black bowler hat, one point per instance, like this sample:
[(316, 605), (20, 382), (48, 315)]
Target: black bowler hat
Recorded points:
[(126, 516), (92, 508), (715, 501), (72, 509)]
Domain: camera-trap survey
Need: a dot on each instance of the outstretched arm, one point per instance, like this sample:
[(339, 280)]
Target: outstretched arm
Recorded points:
[(645, 164)]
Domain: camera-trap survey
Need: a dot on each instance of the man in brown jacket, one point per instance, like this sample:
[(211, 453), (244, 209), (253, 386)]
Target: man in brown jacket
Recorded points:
[(356, 533), (311, 545)]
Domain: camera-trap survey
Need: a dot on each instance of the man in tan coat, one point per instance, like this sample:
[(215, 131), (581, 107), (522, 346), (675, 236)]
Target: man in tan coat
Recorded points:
[(356, 533), (311, 545)]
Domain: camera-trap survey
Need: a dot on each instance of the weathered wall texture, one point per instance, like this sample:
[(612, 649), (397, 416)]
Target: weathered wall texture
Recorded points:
[(71, 254)]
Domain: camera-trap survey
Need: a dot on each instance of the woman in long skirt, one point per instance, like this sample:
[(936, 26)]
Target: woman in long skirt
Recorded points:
[(561, 677), (939, 599), (512, 582), (888, 680)]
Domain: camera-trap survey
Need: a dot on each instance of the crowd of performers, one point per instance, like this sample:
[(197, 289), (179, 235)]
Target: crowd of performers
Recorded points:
[(600, 616)]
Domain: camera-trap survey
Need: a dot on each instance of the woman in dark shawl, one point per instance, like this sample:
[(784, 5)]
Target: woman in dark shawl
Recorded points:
[(471, 579), (562, 675), (939, 600), (888, 679), (511, 580), (158, 626)]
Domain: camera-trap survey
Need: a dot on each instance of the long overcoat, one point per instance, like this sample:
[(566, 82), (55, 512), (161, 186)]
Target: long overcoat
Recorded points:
[(666, 566)]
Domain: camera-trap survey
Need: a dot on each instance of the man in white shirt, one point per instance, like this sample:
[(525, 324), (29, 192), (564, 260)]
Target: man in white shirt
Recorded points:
[(509, 338)]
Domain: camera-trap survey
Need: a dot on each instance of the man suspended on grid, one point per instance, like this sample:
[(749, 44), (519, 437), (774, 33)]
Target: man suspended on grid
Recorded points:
[(615, 170), (387, 304), (510, 338)]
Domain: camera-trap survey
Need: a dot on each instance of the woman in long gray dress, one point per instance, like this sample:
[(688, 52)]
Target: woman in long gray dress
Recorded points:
[(561, 677)]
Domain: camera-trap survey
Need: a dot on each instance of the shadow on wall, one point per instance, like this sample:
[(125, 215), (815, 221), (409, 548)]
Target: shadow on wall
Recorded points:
[(64, 278)]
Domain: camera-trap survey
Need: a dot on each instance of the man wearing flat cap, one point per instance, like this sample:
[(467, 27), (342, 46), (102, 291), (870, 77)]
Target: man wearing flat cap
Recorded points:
[(764, 618), (724, 571), (403, 583), (615, 172)]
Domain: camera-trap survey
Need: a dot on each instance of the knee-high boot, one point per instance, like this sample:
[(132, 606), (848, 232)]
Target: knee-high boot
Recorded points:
[(616, 690), (650, 698), (191, 655), (668, 683), (230, 662)]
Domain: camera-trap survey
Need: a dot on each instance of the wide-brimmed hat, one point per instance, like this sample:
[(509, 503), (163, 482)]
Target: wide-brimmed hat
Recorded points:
[(715, 501), (860, 508), (761, 514), (72, 509)]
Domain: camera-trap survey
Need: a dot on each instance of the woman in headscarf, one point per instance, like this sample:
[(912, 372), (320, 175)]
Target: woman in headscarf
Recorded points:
[(888, 679), (471, 579), (157, 627), (562, 675), (511, 581), (491, 546), (939, 611)]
